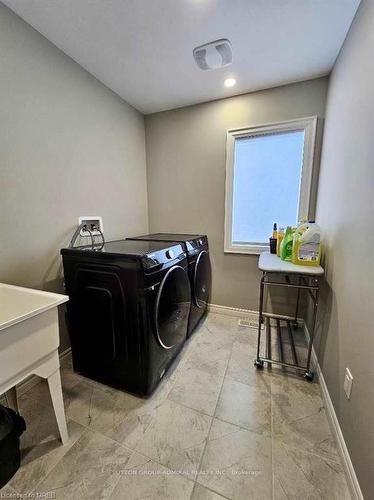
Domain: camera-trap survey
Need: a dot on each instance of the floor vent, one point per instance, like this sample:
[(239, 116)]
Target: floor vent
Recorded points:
[(248, 323)]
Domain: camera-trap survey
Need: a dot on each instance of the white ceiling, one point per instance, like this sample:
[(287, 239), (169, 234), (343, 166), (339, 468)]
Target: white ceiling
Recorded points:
[(142, 49)]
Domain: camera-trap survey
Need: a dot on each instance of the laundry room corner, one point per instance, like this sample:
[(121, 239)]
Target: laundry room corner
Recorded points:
[(69, 146), (186, 175), (186, 277)]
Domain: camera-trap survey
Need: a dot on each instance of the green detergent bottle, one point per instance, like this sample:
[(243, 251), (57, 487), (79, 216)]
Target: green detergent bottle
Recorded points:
[(286, 245)]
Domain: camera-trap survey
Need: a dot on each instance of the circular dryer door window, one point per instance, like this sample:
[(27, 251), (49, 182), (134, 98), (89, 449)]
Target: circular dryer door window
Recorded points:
[(173, 307), (202, 279)]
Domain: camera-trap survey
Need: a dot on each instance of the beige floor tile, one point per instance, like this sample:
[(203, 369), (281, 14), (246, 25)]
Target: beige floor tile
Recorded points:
[(68, 377), (126, 417), (222, 327), (176, 437), (213, 361), (172, 426), (116, 414), (221, 321), (237, 463), (196, 389), (299, 417), (300, 474), (41, 447), (294, 396), (202, 493), (220, 428), (245, 405), (279, 493), (89, 470), (246, 336), (311, 433), (146, 479), (242, 369), (210, 340), (6, 492), (217, 332), (84, 402)]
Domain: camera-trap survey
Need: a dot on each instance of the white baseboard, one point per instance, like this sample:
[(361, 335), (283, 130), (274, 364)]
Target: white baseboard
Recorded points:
[(234, 312), (336, 430), (245, 314)]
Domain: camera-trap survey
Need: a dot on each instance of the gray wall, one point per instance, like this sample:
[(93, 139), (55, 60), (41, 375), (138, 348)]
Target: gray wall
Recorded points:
[(345, 213), (186, 173), (68, 147)]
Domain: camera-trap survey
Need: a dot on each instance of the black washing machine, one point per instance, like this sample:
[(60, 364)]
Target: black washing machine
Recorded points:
[(199, 270), (128, 310)]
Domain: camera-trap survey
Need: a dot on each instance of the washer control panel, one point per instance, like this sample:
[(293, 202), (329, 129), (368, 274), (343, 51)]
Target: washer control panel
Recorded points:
[(169, 254), (195, 245), (174, 253)]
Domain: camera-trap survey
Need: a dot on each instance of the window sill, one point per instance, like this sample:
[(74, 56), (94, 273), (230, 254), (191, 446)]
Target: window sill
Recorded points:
[(247, 249)]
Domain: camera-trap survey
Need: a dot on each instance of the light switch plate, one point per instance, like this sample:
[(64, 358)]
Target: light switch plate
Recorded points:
[(348, 381), (90, 221)]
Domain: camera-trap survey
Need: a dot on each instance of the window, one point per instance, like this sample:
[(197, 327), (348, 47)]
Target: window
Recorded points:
[(268, 179)]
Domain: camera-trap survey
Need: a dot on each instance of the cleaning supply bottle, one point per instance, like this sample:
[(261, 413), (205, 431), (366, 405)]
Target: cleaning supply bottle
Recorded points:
[(306, 248), (273, 240), (286, 245), (280, 237)]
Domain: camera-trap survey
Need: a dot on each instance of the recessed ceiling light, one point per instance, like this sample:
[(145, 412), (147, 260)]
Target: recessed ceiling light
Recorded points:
[(230, 82)]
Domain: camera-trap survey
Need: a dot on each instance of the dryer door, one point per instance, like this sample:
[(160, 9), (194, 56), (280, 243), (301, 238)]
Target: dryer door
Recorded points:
[(202, 280), (172, 308)]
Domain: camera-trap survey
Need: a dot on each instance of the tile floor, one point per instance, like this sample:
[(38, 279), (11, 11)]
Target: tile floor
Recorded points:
[(216, 428)]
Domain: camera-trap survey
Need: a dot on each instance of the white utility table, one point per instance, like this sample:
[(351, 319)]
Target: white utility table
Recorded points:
[(279, 273), (29, 340)]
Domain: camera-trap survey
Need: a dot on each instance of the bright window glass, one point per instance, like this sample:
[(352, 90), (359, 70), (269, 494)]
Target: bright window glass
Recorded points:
[(266, 184)]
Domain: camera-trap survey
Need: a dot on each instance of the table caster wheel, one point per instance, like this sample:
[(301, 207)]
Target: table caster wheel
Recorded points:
[(259, 364), (309, 376)]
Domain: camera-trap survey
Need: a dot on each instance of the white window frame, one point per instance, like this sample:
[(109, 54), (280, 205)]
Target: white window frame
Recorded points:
[(309, 126)]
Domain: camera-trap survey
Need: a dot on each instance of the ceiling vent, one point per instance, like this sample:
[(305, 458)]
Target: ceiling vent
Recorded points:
[(213, 55)]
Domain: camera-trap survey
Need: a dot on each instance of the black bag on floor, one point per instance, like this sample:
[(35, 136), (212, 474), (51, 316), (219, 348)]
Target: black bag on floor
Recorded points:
[(12, 426)]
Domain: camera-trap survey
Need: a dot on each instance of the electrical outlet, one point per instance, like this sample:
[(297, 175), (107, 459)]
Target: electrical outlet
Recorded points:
[(348, 381), (91, 221)]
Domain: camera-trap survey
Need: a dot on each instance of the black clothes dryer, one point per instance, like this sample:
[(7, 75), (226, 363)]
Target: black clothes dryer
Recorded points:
[(199, 270), (128, 310)]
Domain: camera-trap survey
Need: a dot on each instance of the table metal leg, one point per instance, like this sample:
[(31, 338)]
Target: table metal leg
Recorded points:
[(258, 362), (292, 343), (280, 342), (268, 340), (297, 305), (308, 373)]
